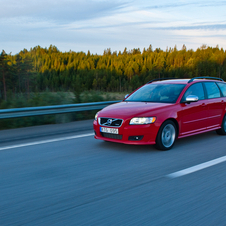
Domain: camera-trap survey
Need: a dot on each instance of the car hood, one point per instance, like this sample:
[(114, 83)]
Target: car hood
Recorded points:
[(130, 109)]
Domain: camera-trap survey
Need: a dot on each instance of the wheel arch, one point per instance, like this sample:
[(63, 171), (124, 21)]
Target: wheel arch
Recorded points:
[(175, 122), (159, 144)]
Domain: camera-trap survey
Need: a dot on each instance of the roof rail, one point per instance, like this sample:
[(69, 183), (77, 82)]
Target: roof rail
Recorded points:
[(160, 79), (207, 77)]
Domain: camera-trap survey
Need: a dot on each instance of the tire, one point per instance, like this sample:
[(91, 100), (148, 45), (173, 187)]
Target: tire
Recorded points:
[(222, 130), (166, 136)]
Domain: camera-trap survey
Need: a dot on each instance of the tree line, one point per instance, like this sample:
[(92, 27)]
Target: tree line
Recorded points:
[(41, 69)]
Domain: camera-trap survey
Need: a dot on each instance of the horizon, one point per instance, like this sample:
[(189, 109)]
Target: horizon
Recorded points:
[(118, 52)]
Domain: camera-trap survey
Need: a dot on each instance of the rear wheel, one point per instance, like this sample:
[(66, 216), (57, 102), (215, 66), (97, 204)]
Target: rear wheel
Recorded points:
[(166, 136), (222, 130)]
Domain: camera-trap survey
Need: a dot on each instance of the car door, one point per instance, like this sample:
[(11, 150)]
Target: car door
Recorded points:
[(193, 115), (215, 104)]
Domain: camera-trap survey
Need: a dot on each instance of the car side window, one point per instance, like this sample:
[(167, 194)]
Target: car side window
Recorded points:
[(222, 88), (212, 90), (197, 90)]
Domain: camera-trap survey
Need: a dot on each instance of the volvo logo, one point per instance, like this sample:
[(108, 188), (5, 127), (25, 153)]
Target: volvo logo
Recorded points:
[(109, 121), (113, 122)]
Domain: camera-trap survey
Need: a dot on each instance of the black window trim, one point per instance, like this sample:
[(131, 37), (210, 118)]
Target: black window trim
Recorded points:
[(205, 91)]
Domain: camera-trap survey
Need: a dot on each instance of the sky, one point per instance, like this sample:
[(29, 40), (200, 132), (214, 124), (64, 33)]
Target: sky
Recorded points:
[(96, 25)]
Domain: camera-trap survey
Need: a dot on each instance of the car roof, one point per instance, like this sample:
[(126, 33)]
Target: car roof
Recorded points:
[(185, 81), (172, 81)]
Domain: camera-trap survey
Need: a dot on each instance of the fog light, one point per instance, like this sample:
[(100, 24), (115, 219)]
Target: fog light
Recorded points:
[(136, 138)]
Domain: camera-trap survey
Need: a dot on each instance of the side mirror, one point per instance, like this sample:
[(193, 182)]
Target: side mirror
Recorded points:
[(191, 98), (126, 96)]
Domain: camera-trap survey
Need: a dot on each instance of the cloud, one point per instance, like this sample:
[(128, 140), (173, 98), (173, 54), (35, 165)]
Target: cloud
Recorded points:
[(60, 11), (207, 26), (95, 25), (175, 4)]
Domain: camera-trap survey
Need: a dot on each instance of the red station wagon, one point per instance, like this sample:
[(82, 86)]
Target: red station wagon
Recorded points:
[(163, 110)]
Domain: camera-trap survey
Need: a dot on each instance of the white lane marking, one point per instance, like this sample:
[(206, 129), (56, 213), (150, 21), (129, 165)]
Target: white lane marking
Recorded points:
[(197, 167), (46, 141)]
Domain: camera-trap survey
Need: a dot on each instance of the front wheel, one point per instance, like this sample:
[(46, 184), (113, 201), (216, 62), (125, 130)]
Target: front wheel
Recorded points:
[(222, 130), (166, 136)]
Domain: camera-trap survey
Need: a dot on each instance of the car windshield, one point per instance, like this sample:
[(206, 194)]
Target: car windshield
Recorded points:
[(163, 93)]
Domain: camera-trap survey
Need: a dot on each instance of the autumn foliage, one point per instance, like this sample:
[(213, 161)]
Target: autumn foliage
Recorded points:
[(42, 69)]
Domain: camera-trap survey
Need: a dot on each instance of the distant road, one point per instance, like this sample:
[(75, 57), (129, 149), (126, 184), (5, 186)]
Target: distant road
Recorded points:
[(69, 178)]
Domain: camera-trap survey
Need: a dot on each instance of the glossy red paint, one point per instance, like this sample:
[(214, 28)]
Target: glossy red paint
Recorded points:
[(190, 118)]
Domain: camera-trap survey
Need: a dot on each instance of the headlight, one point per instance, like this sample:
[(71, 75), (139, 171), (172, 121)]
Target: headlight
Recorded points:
[(142, 120), (96, 115)]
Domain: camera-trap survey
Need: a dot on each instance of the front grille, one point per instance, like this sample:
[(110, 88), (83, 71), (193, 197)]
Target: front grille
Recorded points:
[(112, 136), (113, 122)]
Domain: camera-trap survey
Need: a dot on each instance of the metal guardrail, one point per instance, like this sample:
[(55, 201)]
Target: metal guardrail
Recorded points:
[(55, 109)]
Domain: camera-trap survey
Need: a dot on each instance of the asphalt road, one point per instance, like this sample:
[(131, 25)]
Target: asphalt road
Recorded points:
[(68, 179)]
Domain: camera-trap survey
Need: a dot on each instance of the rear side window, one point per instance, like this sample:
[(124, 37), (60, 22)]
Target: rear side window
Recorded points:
[(222, 88), (212, 90), (197, 90)]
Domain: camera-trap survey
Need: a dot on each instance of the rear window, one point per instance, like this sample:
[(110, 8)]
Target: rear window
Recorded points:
[(212, 90), (222, 88), (163, 93)]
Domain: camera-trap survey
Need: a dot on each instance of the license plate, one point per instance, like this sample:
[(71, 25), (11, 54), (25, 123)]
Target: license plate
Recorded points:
[(108, 130)]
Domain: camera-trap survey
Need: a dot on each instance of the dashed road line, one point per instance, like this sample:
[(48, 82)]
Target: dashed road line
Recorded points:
[(46, 141), (197, 167)]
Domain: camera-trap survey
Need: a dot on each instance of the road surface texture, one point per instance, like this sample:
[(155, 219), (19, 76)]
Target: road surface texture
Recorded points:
[(51, 175)]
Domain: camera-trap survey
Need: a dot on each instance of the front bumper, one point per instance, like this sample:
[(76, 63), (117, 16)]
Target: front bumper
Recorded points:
[(142, 134)]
